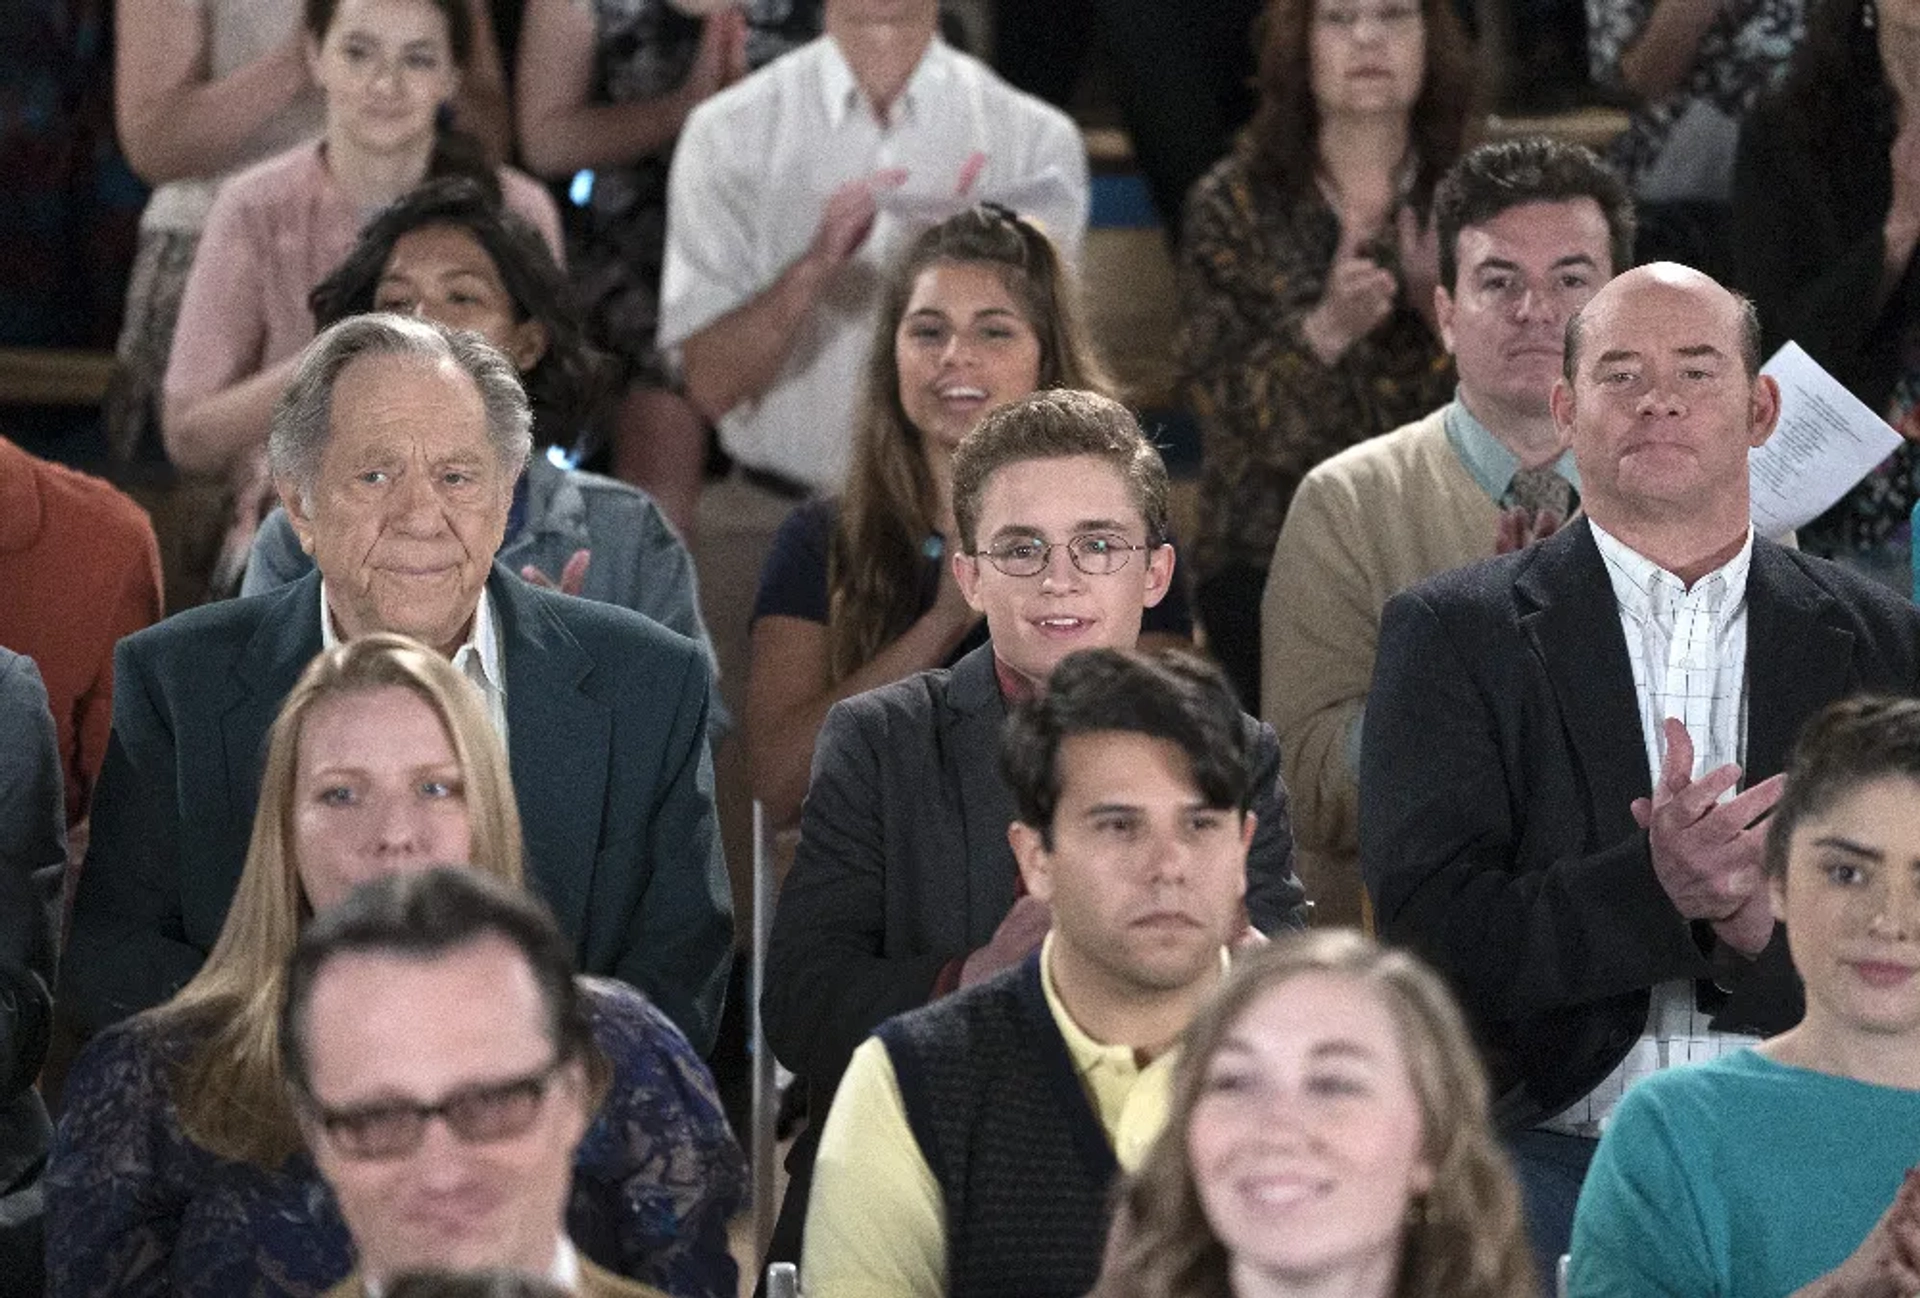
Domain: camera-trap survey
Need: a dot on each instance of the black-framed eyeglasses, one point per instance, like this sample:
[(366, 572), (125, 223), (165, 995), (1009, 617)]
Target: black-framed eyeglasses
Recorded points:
[(476, 1114), (1098, 554)]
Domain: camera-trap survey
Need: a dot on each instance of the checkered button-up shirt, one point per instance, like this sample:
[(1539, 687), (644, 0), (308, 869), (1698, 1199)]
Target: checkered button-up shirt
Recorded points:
[(1688, 649)]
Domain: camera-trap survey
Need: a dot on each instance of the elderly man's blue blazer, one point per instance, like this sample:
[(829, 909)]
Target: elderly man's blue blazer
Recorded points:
[(606, 723)]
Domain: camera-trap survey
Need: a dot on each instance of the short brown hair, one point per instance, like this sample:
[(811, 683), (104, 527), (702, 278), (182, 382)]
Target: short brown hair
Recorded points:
[(1054, 425), (1847, 745), (1531, 169)]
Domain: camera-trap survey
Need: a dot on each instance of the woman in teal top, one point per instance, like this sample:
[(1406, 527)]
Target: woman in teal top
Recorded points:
[(1789, 1168)]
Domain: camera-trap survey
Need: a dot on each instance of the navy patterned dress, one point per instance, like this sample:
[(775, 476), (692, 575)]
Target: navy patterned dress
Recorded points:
[(136, 1208)]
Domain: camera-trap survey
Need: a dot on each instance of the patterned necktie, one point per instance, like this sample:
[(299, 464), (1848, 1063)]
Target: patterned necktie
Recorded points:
[(1538, 489)]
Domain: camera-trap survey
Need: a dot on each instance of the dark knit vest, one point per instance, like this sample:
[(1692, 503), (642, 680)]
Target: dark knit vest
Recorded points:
[(1022, 1162)]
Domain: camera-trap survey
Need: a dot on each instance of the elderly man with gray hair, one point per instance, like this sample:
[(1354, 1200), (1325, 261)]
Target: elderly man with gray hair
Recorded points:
[(395, 451)]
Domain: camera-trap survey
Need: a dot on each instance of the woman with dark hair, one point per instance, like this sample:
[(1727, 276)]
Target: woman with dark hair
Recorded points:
[(452, 254), (1826, 216), (856, 592), (179, 1167), (1789, 1168), (1307, 270), (386, 69), (1328, 1135)]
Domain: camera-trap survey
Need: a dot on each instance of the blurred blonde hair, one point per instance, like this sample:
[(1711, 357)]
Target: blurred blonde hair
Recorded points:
[(1464, 1238), (229, 1085)]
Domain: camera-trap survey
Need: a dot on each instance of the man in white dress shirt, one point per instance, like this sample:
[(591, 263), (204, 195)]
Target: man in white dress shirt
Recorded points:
[(1554, 738), (794, 190)]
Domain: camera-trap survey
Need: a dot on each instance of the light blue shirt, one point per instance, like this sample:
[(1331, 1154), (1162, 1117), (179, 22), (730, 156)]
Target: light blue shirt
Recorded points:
[(1486, 457)]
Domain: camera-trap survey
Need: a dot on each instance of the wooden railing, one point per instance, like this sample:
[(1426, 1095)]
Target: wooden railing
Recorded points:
[(46, 376)]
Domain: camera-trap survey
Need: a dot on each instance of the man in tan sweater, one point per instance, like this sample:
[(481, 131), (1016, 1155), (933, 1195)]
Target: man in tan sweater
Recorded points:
[(1528, 230)]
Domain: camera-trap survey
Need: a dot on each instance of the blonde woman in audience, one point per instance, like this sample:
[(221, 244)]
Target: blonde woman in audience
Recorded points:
[(386, 70), (856, 592), (1329, 1136), (178, 1168), (1307, 267), (203, 88), (1790, 1167)]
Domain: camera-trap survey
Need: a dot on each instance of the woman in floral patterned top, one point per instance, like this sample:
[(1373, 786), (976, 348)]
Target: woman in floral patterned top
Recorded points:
[(178, 1168), (1694, 68), (1307, 270)]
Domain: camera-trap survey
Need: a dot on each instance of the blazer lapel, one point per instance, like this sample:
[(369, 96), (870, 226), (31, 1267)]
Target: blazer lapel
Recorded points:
[(557, 738), (1796, 661), (971, 721), (1569, 615), (285, 639)]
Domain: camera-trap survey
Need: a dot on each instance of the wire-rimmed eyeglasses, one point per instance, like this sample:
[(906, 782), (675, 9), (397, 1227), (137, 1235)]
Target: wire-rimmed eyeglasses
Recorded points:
[(1098, 554)]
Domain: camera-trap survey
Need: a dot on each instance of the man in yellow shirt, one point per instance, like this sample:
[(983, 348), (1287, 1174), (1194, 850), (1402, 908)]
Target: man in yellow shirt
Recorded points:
[(972, 1143)]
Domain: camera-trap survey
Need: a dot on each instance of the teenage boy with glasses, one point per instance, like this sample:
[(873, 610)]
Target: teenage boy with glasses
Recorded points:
[(904, 885)]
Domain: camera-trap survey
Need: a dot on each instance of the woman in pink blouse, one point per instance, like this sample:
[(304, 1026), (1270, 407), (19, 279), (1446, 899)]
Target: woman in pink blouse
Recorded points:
[(386, 69)]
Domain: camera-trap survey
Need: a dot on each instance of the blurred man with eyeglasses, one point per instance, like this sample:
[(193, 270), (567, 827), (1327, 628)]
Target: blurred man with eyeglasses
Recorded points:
[(904, 885), (443, 1069)]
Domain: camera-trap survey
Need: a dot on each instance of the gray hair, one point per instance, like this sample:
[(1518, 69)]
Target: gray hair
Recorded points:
[(302, 421)]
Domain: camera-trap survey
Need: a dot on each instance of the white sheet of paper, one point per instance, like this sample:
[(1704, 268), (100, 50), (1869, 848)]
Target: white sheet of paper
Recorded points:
[(1826, 441)]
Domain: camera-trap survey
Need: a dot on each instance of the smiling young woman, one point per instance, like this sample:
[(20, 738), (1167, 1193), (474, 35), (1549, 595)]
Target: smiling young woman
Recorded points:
[(178, 1167), (1329, 1136)]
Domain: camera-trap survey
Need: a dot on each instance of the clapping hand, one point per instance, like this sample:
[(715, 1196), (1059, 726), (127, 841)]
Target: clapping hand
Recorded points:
[(1887, 1263), (573, 577), (1358, 296), (1707, 853), (1520, 527), (1018, 937)]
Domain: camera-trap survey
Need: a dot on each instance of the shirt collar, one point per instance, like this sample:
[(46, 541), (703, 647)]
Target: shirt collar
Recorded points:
[(840, 93), (1088, 1055), (481, 647), (564, 1273), (1646, 591), (1015, 689), (1486, 457)]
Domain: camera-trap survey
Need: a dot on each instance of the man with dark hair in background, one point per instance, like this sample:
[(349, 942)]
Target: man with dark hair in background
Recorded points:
[(973, 1142), (1528, 230)]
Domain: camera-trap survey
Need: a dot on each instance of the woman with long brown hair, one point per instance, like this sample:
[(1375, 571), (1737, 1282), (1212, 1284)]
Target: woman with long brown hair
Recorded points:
[(1328, 1135), (856, 593), (1307, 270)]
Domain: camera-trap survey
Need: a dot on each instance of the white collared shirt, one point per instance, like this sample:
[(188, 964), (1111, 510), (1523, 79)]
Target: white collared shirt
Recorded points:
[(1688, 648), (479, 658), (752, 173), (563, 1274)]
